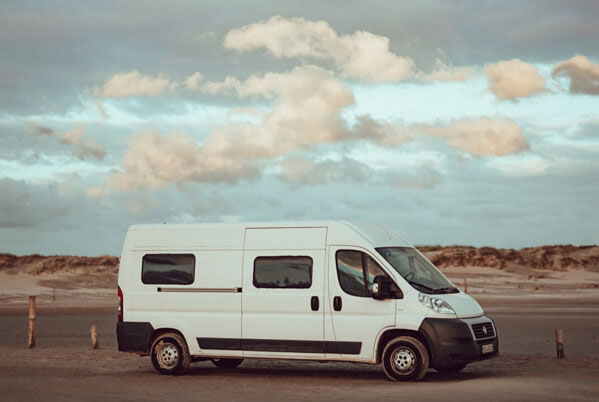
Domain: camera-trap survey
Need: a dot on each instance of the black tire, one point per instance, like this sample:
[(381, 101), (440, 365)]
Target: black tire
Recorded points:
[(451, 369), (227, 363), (405, 359), (170, 354)]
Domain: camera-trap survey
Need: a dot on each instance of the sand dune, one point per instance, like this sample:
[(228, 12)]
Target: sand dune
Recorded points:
[(547, 258), (550, 271)]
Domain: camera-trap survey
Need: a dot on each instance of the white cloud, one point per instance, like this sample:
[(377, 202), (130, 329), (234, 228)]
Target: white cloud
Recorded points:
[(307, 103), (484, 136), (154, 160), (514, 79), (133, 83), (193, 81), (306, 109), (584, 74), (362, 55)]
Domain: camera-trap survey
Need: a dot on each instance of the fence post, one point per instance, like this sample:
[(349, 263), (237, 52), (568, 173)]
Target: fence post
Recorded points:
[(31, 342), (559, 343), (94, 334), (465, 286)]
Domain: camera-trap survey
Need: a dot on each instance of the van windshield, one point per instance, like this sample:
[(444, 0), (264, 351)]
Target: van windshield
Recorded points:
[(417, 270)]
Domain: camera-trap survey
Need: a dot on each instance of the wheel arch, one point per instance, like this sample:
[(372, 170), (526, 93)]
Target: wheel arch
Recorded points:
[(160, 331), (394, 333)]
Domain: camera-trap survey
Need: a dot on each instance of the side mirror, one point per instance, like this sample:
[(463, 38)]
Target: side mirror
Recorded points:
[(383, 288)]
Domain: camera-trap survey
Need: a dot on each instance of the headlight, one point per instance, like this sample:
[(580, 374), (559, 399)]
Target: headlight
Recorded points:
[(437, 305)]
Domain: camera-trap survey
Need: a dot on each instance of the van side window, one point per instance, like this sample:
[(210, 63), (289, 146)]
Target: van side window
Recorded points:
[(356, 272), (168, 269), (283, 272), (351, 273)]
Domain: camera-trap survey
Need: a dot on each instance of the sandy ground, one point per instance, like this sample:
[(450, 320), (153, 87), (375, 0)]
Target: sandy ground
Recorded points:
[(526, 306), (63, 366)]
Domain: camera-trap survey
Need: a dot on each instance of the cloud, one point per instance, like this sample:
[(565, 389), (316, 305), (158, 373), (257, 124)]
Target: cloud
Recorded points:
[(133, 83), (300, 170), (193, 81), (445, 72), (81, 146), (75, 138), (423, 178), (484, 136), (101, 109), (362, 55), (41, 131), (306, 110), (155, 160), (24, 206), (514, 79), (584, 74), (380, 132)]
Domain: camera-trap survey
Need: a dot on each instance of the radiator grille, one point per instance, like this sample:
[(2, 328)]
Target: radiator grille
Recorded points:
[(483, 330)]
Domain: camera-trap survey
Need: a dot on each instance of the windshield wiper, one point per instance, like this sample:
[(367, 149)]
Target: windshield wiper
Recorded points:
[(420, 285), (446, 290)]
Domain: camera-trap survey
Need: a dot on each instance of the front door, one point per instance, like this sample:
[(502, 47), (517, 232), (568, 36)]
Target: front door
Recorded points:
[(282, 295), (357, 318)]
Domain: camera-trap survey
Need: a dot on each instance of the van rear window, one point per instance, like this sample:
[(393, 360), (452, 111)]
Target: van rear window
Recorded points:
[(283, 272), (168, 269)]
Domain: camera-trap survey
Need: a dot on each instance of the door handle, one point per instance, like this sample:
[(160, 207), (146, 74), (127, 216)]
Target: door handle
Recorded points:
[(337, 305), (314, 303)]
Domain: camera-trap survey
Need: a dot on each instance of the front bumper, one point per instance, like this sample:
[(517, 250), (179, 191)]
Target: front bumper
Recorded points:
[(453, 341)]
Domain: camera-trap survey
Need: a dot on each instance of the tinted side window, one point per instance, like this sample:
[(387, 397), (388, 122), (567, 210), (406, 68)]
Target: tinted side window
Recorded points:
[(351, 273), (373, 269), (168, 269), (356, 272), (283, 272)]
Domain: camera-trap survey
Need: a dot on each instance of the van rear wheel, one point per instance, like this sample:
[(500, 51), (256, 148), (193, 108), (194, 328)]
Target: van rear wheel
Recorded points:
[(170, 354), (227, 363), (405, 359)]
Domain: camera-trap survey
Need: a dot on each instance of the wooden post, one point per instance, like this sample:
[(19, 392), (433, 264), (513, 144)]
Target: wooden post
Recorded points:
[(53, 294), (559, 343), (94, 334), (31, 342), (465, 286)]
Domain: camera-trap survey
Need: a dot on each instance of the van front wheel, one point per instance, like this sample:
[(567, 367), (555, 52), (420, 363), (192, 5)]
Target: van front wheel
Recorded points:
[(227, 363), (405, 359), (170, 355)]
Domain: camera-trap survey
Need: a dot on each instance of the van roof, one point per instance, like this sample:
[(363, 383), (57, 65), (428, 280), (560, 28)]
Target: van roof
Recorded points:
[(339, 232)]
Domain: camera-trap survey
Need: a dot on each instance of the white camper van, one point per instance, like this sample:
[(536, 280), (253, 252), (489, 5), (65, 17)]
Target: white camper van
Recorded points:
[(324, 291)]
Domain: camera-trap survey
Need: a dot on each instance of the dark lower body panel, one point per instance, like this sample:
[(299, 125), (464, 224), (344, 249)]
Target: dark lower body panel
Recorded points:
[(280, 345), (452, 343), (135, 337)]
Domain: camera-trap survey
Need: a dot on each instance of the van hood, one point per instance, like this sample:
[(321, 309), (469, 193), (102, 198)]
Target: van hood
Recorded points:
[(464, 305)]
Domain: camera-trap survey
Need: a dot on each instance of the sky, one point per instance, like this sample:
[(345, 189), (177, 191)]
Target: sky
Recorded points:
[(452, 122)]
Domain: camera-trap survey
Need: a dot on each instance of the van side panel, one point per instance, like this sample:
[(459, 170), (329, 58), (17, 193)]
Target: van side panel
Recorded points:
[(208, 307), (284, 322)]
